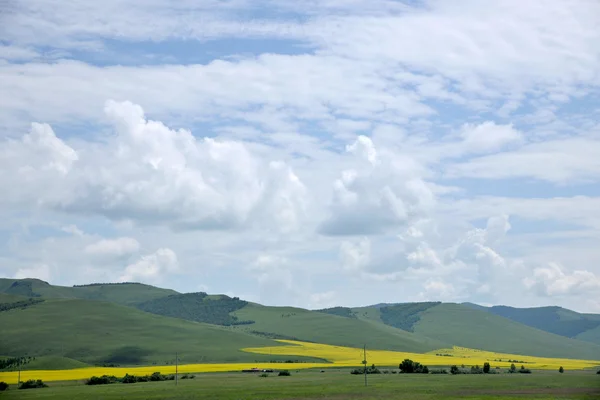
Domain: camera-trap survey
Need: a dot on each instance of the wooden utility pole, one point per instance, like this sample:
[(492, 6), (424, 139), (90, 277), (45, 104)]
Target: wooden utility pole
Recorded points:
[(176, 368)]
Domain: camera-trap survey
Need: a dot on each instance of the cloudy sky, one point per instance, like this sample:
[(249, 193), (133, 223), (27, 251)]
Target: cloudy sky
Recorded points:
[(313, 153)]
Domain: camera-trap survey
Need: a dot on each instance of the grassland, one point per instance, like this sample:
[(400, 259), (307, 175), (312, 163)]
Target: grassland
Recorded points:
[(334, 385), (96, 332), (325, 328)]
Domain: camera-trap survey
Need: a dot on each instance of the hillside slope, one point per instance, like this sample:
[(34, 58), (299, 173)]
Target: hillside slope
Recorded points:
[(467, 327), (122, 293), (97, 332), (313, 326), (555, 320)]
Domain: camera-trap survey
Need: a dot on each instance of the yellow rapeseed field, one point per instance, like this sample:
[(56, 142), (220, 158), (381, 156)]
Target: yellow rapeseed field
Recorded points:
[(334, 356), (348, 356)]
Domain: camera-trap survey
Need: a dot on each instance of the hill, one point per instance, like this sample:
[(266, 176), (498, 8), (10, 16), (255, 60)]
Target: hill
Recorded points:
[(466, 327), (120, 293), (312, 326), (96, 332), (555, 320)]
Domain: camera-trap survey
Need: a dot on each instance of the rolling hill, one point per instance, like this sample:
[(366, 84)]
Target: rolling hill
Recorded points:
[(555, 320), (122, 293), (133, 323), (96, 332), (312, 326)]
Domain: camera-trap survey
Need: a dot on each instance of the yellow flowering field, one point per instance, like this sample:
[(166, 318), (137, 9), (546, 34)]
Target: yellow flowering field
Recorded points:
[(337, 356), (348, 356)]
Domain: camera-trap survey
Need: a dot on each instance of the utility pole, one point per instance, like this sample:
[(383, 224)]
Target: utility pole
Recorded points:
[(176, 368), (365, 362)]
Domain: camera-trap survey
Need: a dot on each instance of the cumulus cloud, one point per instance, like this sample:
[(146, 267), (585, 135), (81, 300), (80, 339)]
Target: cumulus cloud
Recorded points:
[(382, 193), (152, 267), (554, 280), (150, 173), (118, 247)]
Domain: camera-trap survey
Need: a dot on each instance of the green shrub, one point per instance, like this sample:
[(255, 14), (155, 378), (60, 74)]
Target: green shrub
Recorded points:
[(561, 370), (3, 386), (187, 376), (129, 379), (438, 371), (598, 372), (524, 370), (475, 369), (102, 380), (157, 377), (264, 375), (33, 384), (454, 370), (285, 372)]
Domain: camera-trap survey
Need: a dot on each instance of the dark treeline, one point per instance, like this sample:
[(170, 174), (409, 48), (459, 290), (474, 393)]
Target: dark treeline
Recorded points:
[(14, 362), (19, 304), (108, 283)]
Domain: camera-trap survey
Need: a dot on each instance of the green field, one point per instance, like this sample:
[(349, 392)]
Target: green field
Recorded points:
[(334, 385)]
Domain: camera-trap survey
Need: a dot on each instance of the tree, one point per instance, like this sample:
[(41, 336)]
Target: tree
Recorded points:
[(512, 369), (412, 367), (561, 370), (486, 368), (454, 370)]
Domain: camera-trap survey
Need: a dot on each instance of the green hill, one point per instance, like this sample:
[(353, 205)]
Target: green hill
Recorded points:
[(555, 320), (467, 327), (312, 326), (120, 293), (96, 332)]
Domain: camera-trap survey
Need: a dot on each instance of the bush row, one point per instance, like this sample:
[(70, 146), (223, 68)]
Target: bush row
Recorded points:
[(155, 377)]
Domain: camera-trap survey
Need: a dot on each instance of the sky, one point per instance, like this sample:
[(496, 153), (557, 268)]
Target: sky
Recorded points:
[(313, 153)]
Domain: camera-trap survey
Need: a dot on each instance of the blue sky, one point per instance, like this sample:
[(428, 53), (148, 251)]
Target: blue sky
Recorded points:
[(311, 154)]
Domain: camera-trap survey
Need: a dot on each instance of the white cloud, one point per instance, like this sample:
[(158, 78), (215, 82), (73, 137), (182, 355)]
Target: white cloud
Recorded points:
[(118, 247), (553, 280), (73, 230), (152, 267), (384, 192), (355, 256), (564, 161), (149, 172), (488, 137)]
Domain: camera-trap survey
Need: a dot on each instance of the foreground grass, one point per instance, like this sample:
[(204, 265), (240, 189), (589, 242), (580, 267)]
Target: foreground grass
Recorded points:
[(335, 385)]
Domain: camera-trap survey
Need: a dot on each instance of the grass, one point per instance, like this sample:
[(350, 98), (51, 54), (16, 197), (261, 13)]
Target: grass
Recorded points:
[(311, 326), (467, 327), (333, 385), (96, 332)]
